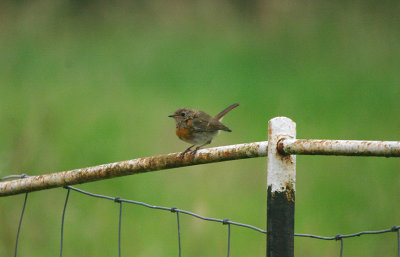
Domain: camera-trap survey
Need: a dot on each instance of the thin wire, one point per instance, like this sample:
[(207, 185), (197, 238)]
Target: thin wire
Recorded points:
[(174, 209), (14, 176), (91, 194), (19, 226), (62, 222), (119, 229), (179, 233), (398, 243), (229, 238), (393, 229), (341, 247)]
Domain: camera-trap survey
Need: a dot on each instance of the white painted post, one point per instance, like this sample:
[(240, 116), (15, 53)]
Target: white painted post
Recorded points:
[(281, 178)]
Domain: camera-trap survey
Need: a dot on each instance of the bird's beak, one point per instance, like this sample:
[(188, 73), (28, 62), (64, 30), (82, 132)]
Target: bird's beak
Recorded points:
[(172, 115)]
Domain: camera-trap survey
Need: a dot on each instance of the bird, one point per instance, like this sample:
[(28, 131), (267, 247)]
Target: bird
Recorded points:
[(197, 127)]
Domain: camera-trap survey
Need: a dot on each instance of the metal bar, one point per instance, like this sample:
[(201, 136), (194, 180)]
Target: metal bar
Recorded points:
[(285, 146), (281, 176), (339, 147), (135, 166)]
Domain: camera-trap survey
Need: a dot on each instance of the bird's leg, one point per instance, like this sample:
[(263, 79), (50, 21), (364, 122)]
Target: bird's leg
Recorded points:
[(200, 146), (184, 152)]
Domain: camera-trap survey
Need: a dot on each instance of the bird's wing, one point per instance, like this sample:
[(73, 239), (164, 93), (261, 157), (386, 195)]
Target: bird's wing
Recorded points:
[(208, 125)]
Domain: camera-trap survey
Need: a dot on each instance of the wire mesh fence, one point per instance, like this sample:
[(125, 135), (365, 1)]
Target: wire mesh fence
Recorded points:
[(281, 149), (176, 211)]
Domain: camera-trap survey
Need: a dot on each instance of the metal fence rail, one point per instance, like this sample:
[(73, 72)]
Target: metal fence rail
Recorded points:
[(217, 154), (131, 167), (339, 147)]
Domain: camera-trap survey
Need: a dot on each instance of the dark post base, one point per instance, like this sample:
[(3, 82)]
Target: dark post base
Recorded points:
[(280, 223)]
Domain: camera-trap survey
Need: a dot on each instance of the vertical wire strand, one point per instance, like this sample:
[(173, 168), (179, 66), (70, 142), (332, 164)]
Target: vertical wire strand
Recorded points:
[(19, 226), (398, 243), (179, 234), (229, 238), (119, 229), (62, 223), (341, 247)]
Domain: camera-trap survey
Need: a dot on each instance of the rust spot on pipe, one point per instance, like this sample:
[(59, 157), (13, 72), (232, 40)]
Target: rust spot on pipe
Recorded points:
[(280, 146)]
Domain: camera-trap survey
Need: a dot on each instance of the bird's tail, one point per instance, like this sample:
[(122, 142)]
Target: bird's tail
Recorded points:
[(225, 111)]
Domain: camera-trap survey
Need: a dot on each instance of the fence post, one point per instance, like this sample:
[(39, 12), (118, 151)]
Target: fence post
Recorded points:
[(281, 177)]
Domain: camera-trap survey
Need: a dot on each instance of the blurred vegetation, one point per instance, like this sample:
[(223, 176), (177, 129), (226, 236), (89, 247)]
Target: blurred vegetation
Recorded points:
[(86, 83)]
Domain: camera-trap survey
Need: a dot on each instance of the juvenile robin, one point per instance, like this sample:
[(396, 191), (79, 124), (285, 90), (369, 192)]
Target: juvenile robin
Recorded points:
[(197, 127)]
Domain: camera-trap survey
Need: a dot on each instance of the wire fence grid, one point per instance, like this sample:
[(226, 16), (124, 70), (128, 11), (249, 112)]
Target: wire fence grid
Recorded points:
[(227, 222)]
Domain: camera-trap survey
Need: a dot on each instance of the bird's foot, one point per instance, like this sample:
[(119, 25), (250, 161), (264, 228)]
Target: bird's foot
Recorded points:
[(193, 153), (182, 155)]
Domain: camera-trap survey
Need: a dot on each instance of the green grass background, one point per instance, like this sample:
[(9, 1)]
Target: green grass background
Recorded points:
[(85, 83)]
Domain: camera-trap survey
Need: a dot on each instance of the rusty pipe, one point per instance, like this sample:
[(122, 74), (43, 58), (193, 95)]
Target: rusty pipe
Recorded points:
[(287, 146), (135, 166)]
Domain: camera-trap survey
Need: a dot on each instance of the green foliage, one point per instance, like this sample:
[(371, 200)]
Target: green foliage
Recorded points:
[(86, 84)]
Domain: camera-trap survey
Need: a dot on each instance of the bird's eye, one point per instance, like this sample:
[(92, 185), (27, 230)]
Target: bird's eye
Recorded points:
[(183, 114)]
